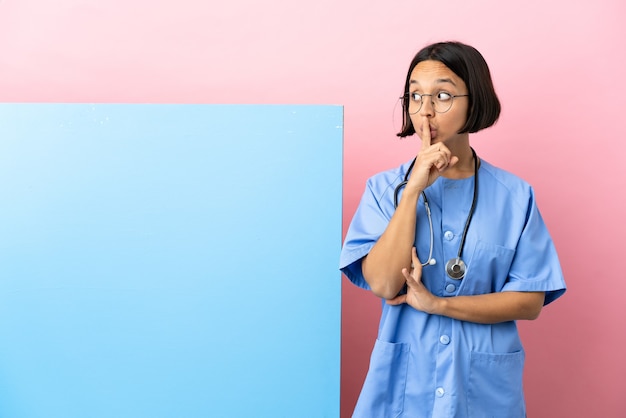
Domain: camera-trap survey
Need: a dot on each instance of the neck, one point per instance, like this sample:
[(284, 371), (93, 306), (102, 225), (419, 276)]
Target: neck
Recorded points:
[(465, 167)]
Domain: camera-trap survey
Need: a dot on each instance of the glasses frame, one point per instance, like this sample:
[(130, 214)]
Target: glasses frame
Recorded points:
[(407, 97)]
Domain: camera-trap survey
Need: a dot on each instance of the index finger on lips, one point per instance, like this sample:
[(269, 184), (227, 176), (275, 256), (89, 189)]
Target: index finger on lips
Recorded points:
[(425, 133)]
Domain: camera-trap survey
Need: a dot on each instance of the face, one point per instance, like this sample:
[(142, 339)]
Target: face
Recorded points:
[(433, 77)]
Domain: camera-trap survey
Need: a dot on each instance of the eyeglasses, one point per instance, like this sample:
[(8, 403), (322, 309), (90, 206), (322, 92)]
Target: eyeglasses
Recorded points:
[(442, 101)]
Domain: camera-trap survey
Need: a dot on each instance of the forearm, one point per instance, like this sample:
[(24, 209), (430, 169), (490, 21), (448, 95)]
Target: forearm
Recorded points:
[(382, 267), (493, 307)]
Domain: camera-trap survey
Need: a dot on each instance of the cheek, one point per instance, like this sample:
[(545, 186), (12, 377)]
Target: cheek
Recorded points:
[(455, 121)]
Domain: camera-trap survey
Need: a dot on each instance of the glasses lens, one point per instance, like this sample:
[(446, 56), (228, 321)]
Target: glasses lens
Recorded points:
[(442, 102), (414, 103)]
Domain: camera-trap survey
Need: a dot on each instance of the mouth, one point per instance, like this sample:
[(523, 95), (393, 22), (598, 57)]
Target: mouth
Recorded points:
[(432, 130)]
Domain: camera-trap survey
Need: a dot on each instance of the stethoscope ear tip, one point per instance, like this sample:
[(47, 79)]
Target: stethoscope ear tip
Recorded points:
[(432, 261)]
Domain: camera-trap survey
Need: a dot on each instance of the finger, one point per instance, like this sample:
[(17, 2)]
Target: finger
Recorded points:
[(398, 300), (414, 258), (443, 164), (416, 274), (425, 133), (406, 274), (411, 281), (453, 160)]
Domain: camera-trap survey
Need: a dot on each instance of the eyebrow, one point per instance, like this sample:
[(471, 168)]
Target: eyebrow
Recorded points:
[(438, 81)]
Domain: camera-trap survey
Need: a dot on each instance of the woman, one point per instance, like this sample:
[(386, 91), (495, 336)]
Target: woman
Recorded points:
[(447, 343)]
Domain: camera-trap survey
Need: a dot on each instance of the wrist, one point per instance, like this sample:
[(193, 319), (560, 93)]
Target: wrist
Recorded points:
[(440, 306), (409, 197)]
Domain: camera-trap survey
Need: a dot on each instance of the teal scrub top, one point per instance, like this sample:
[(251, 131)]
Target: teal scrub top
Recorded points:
[(426, 365)]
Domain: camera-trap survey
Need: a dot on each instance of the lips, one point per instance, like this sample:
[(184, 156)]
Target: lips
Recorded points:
[(433, 131)]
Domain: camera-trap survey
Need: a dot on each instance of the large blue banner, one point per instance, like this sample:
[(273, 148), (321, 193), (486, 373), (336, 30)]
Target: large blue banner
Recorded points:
[(169, 260)]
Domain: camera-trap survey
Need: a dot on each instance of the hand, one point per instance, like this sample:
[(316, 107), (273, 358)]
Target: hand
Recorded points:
[(416, 295), (432, 160)]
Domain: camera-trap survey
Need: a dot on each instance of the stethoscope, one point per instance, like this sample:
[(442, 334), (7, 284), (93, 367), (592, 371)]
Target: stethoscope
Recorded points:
[(455, 267)]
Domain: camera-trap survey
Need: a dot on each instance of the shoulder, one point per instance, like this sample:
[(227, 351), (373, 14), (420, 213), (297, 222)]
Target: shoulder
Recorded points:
[(501, 182), (383, 184), (503, 177)]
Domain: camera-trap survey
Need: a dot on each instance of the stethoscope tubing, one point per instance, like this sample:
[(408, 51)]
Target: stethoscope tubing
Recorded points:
[(455, 268)]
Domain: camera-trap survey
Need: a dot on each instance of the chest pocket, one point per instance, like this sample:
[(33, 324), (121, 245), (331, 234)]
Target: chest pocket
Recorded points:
[(487, 270)]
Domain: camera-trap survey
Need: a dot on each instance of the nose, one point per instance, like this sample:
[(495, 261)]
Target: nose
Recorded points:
[(428, 108)]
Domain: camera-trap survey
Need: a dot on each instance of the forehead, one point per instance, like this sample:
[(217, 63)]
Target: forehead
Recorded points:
[(431, 72)]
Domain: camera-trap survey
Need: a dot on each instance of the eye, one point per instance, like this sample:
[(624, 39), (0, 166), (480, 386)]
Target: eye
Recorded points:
[(416, 97), (444, 96)]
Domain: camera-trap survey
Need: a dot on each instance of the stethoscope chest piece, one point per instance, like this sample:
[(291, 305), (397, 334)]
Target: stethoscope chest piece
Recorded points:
[(455, 268)]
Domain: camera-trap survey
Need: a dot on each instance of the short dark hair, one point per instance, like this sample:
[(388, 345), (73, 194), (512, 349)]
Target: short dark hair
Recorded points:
[(467, 63)]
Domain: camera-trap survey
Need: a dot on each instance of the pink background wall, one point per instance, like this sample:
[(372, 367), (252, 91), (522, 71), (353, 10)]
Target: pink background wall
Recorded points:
[(559, 68)]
